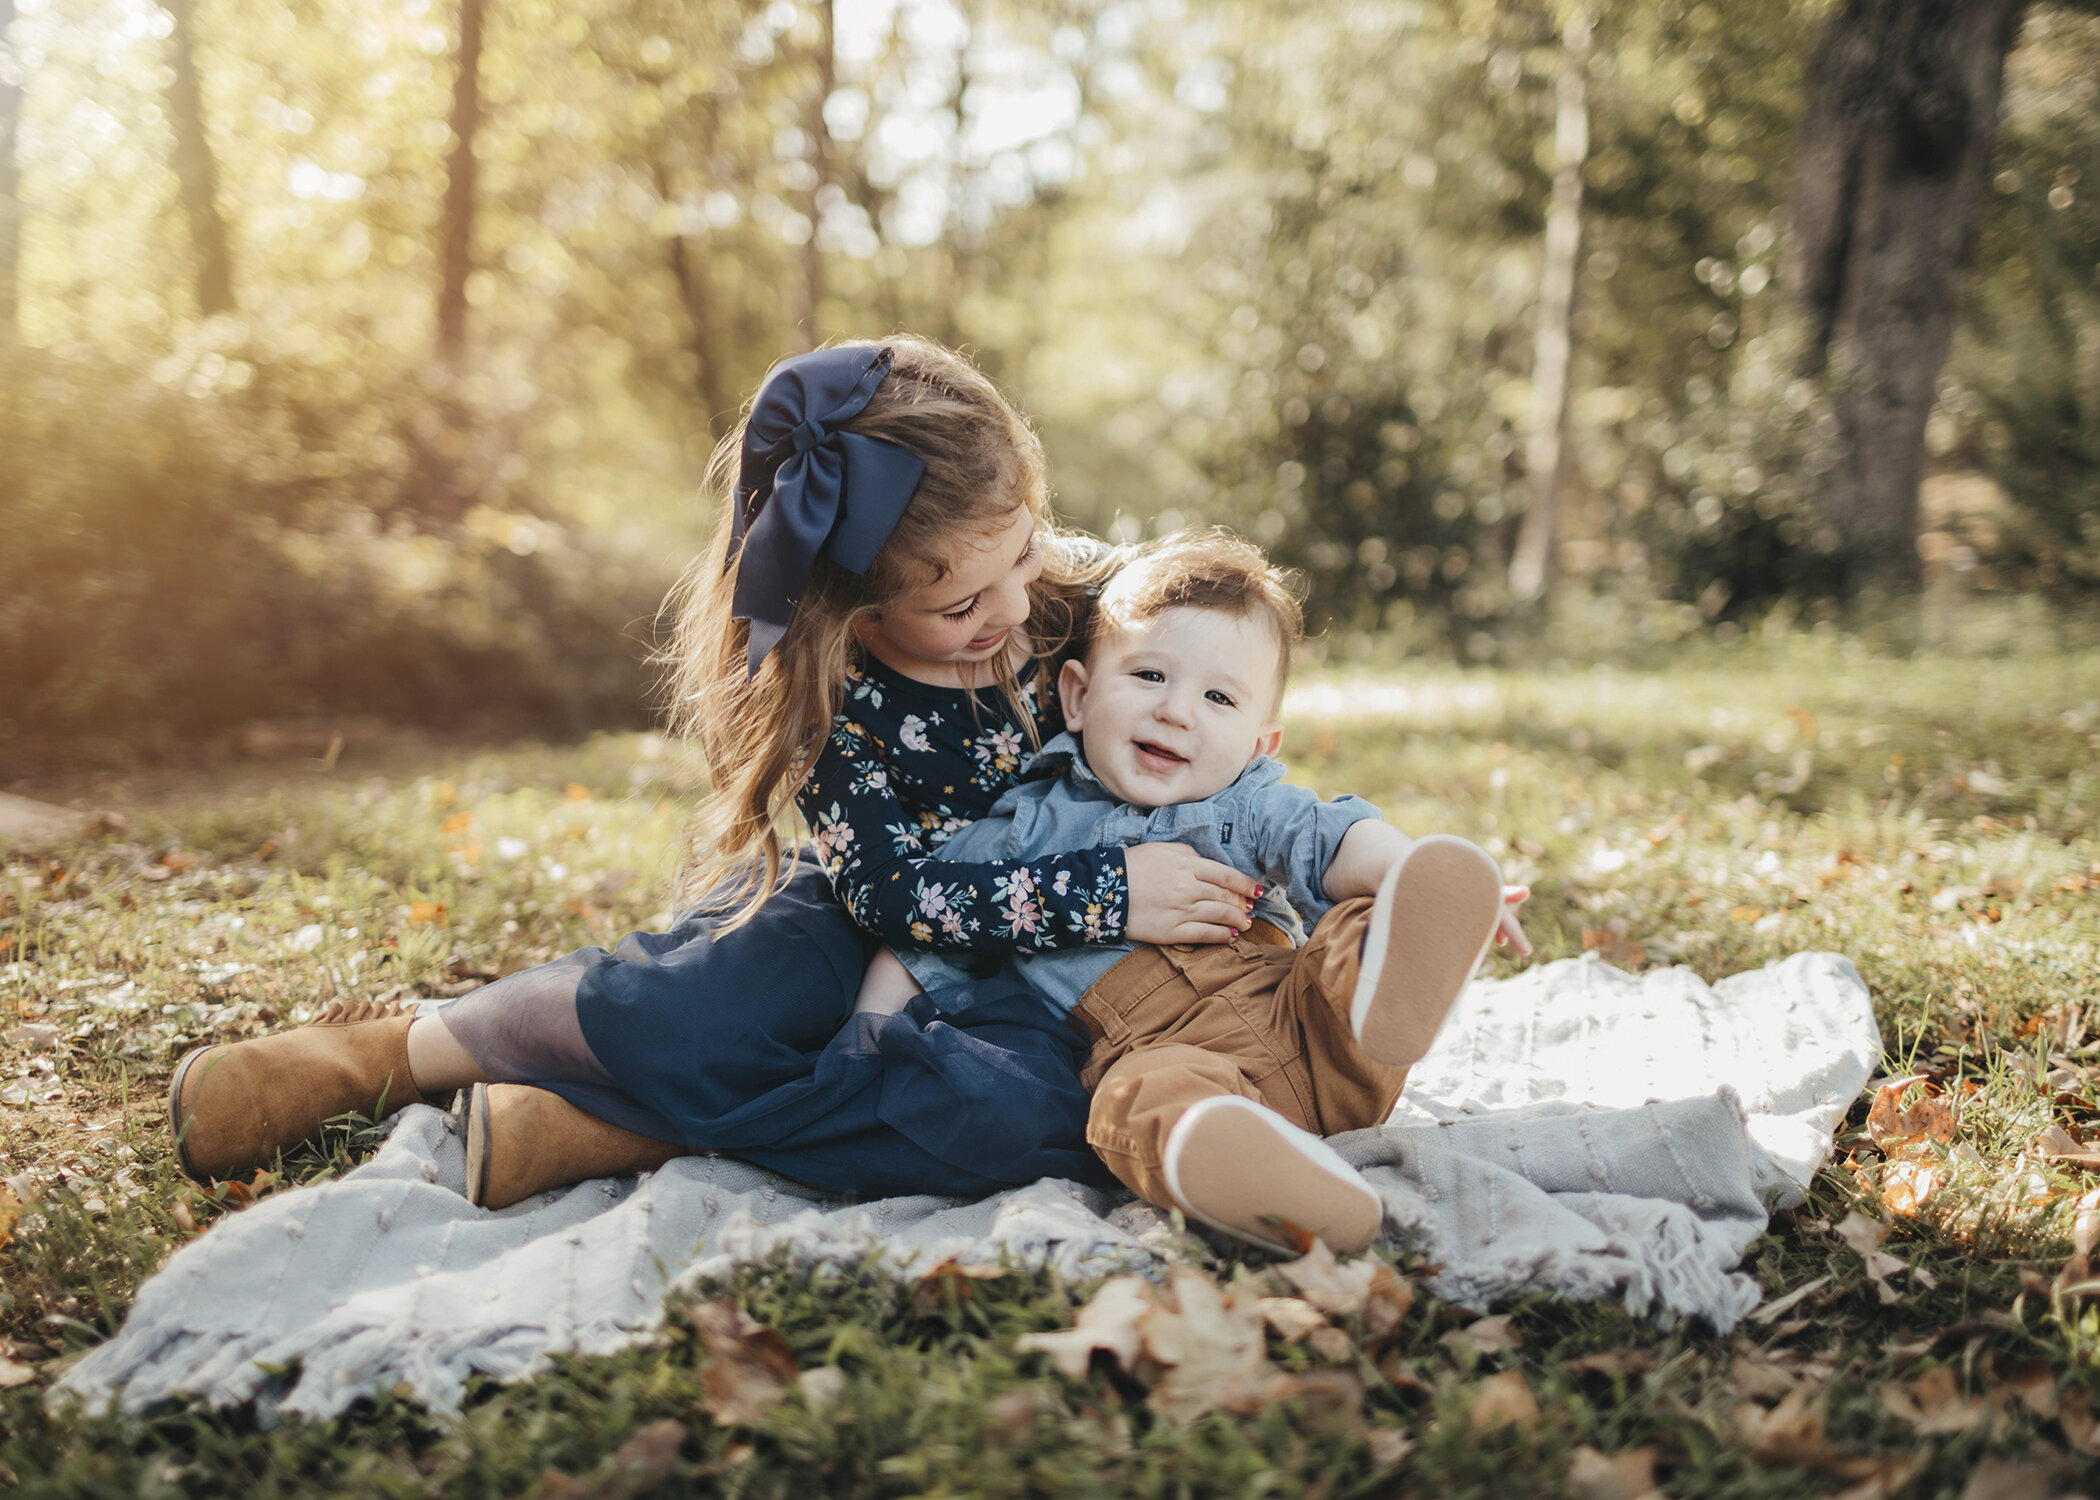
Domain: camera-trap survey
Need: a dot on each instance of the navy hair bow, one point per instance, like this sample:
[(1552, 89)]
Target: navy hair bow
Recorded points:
[(803, 487)]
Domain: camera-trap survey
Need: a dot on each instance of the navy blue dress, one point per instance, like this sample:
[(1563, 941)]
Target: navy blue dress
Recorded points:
[(738, 1041)]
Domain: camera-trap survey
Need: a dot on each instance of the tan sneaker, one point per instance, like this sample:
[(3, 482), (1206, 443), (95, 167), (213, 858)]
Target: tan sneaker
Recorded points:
[(522, 1140), (1431, 922), (1241, 1167), (235, 1106)]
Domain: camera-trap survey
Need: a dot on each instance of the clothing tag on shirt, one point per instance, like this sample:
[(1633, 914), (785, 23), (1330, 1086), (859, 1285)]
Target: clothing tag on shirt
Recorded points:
[(1224, 833)]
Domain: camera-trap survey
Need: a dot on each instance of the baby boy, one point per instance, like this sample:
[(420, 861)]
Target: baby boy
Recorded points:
[(1216, 1068)]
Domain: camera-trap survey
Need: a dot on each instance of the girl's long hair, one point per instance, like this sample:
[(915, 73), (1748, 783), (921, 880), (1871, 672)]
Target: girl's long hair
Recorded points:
[(760, 737)]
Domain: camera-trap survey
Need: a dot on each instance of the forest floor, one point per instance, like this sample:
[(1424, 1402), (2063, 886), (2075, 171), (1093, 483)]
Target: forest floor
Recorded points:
[(1932, 817)]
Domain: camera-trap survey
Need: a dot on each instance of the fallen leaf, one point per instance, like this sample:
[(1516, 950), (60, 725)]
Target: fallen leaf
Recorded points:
[(1503, 1400), (1933, 1404), (1015, 1414), (1290, 1318), (1767, 1311), (1996, 1478), (13, 1373), (1213, 1344), (2074, 1413), (1331, 1345), (1109, 1321), (1387, 1446), (1791, 1432), (1879, 1476), (576, 791), (10, 1210), (1593, 1475), (821, 1387), (1494, 1335), (636, 1467), (750, 1366), (1759, 1381), (426, 913), (1337, 1393), (1615, 1364), (950, 1282), (2034, 1383), (458, 823), (1934, 1115), (179, 1211)]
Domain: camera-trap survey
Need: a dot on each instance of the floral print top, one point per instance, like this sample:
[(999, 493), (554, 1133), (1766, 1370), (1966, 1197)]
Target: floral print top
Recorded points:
[(906, 765)]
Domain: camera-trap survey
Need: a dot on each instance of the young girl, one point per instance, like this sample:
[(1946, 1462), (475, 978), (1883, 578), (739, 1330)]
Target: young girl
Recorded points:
[(869, 636)]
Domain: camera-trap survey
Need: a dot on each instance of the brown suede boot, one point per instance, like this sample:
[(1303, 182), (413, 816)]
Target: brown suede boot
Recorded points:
[(522, 1140), (233, 1107)]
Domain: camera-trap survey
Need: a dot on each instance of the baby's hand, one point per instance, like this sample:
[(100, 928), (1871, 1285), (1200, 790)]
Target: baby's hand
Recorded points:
[(1509, 930)]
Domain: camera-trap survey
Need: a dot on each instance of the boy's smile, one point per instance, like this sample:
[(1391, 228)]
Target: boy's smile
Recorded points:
[(1173, 708)]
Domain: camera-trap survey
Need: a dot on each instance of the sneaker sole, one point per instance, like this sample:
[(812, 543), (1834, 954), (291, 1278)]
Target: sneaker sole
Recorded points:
[(175, 1122), (1444, 900), (1222, 1145), (474, 1109)]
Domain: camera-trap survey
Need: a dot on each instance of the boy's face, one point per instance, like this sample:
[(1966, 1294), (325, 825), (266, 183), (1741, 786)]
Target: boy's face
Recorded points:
[(1175, 707)]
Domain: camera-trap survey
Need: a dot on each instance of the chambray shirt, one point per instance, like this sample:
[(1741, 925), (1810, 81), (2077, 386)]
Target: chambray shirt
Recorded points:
[(1282, 835)]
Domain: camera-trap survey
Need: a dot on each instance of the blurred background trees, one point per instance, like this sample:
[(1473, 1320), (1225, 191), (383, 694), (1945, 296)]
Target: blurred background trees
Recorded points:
[(366, 357)]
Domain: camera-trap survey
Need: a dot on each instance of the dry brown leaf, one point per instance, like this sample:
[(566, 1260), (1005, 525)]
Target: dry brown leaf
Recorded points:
[(2074, 1413), (1759, 1381), (426, 914), (1996, 1478), (1593, 1475), (10, 1210), (14, 1373), (1337, 1393), (1767, 1311), (2034, 1383), (1015, 1414), (1933, 1403), (1331, 1345), (1933, 1115), (1614, 1364), (1290, 1318), (950, 1281), (637, 1467), (1494, 1335), (1387, 1446), (1791, 1432), (1109, 1321), (1503, 1400), (1213, 1343), (1880, 1476), (1326, 1283), (750, 1366)]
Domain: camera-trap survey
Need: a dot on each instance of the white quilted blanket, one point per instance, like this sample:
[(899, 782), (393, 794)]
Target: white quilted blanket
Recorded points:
[(1575, 1130)]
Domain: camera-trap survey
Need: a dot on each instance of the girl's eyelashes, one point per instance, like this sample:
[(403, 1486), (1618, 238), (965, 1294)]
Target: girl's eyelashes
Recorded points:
[(960, 615), (1035, 545)]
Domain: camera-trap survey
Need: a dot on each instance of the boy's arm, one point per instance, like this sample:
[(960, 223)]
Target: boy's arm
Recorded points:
[(1368, 850), (1372, 847)]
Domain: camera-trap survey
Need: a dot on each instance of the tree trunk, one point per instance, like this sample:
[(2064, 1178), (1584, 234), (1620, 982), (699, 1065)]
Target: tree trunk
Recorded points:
[(1889, 186), (196, 170), (12, 84), (456, 256), (1553, 341), (820, 164), (718, 408)]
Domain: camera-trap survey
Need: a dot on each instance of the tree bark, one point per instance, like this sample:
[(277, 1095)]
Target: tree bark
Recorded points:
[(456, 256), (196, 169), (820, 165), (1553, 341), (699, 307), (12, 84), (1889, 185)]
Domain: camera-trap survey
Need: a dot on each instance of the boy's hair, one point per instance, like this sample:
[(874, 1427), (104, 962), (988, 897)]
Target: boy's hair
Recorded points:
[(759, 737), (1204, 568)]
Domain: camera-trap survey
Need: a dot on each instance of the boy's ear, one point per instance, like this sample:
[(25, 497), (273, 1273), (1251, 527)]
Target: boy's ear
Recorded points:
[(1071, 692), (1268, 740)]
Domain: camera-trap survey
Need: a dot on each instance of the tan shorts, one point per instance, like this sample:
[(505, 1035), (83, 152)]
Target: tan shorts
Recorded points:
[(1173, 1025)]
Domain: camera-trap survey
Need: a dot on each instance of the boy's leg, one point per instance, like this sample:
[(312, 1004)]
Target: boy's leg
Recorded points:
[(1373, 985), (1184, 1128)]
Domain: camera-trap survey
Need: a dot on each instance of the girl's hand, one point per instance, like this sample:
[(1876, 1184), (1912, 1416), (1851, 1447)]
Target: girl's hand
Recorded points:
[(1509, 930), (1178, 896)]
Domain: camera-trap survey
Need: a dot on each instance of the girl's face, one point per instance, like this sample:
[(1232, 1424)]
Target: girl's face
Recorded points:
[(937, 632)]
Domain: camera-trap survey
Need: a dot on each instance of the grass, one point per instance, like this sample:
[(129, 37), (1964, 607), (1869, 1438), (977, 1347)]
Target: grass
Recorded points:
[(1931, 816)]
